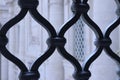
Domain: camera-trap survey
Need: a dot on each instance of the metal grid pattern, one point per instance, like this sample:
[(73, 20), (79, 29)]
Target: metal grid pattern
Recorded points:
[(79, 51), (57, 40)]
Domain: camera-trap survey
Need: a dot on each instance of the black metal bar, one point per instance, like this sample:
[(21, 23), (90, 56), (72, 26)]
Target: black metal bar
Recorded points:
[(13, 21), (93, 26), (57, 40), (112, 27), (4, 40), (35, 14), (68, 25), (71, 59), (92, 58), (112, 54), (45, 56), (85, 1), (76, 1), (0, 55)]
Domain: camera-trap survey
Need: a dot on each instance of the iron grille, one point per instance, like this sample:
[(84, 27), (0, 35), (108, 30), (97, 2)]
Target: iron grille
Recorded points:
[(57, 40)]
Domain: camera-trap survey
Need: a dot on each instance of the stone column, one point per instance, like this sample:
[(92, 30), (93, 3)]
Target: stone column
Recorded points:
[(4, 63), (104, 67), (54, 65), (13, 42), (68, 67), (4, 69), (56, 14)]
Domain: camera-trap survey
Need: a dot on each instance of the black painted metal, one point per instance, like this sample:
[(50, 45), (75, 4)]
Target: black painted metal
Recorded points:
[(57, 40), (0, 56)]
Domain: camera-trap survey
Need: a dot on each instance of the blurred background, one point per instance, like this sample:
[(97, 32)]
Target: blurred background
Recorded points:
[(27, 39)]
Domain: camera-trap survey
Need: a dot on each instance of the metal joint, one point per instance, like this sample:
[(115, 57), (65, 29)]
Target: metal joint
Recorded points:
[(30, 75), (28, 3), (80, 8), (83, 75), (3, 40), (57, 41), (103, 42)]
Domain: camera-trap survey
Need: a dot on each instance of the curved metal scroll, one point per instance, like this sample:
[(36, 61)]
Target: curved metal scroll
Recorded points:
[(57, 40)]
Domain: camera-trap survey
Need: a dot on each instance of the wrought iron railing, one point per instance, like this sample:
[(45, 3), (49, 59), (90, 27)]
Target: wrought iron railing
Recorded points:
[(57, 40)]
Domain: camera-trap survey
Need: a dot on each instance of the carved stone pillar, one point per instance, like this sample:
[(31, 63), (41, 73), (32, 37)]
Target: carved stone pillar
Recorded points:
[(104, 68), (54, 65), (3, 62)]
